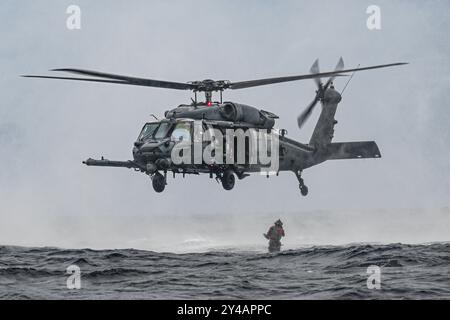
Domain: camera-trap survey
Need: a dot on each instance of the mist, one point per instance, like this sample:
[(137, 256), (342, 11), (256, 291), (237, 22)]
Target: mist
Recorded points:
[(47, 128)]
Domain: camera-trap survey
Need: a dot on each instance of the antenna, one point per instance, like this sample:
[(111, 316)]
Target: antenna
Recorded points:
[(345, 87)]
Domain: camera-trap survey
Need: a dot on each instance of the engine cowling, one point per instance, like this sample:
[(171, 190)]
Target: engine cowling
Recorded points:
[(242, 113), (228, 111)]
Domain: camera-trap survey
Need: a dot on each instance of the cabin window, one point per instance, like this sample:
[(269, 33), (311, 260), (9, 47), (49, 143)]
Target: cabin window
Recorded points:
[(182, 132)]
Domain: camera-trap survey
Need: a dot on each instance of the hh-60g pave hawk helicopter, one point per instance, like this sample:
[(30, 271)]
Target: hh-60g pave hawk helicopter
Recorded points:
[(152, 150)]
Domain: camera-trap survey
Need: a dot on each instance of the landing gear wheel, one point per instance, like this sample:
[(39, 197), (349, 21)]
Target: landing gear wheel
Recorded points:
[(159, 182), (228, 179), (303, 190)]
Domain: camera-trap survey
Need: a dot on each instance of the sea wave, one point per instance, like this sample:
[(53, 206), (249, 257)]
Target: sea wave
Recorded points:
[(316, 272)]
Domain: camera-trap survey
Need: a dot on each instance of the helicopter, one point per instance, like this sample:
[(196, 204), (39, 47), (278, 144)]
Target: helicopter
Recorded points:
[(183, 129)]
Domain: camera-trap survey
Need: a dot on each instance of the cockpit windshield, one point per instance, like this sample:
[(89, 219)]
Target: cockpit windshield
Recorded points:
[(148, 130), (161, 132)]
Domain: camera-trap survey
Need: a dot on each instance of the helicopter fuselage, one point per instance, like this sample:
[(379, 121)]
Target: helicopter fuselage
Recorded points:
[(228, 139)]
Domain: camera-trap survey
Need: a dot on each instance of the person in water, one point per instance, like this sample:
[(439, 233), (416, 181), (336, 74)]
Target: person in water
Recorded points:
[(274, 235)]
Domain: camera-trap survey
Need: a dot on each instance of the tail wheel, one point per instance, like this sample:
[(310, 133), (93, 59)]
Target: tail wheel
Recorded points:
[(228, 179), (303, 190), (159, 182)]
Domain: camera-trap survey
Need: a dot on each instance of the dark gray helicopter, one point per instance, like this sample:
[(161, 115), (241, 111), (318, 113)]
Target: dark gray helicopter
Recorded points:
[(153, 149)]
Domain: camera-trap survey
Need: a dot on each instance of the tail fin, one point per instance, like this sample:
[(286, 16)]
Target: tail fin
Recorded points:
[(324, 130), (353, 150)]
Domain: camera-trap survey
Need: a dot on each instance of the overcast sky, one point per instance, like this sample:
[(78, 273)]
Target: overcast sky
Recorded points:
[(48, 127)]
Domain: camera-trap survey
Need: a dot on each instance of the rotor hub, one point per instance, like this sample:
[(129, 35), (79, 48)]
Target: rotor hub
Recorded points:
[(209, 85)]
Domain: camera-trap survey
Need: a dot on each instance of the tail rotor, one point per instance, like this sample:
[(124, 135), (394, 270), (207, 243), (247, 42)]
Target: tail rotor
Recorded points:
[(304, 116)]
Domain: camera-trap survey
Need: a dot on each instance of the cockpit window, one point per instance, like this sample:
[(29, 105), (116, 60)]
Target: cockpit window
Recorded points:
[(182, 132), (162, 130), (148, 130)]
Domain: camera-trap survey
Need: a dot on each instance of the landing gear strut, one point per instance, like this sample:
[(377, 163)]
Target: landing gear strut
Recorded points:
[(302, 186), (158, 182), (228, 179)]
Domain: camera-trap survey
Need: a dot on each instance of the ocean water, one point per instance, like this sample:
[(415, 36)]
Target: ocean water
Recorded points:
[(316, 272)]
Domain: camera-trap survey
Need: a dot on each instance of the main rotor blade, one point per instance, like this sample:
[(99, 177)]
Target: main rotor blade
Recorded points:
[(263, 82), (77, 79), (121, 79)]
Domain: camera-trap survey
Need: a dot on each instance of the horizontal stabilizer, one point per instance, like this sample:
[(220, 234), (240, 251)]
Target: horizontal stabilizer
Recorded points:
[(353, 150)]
